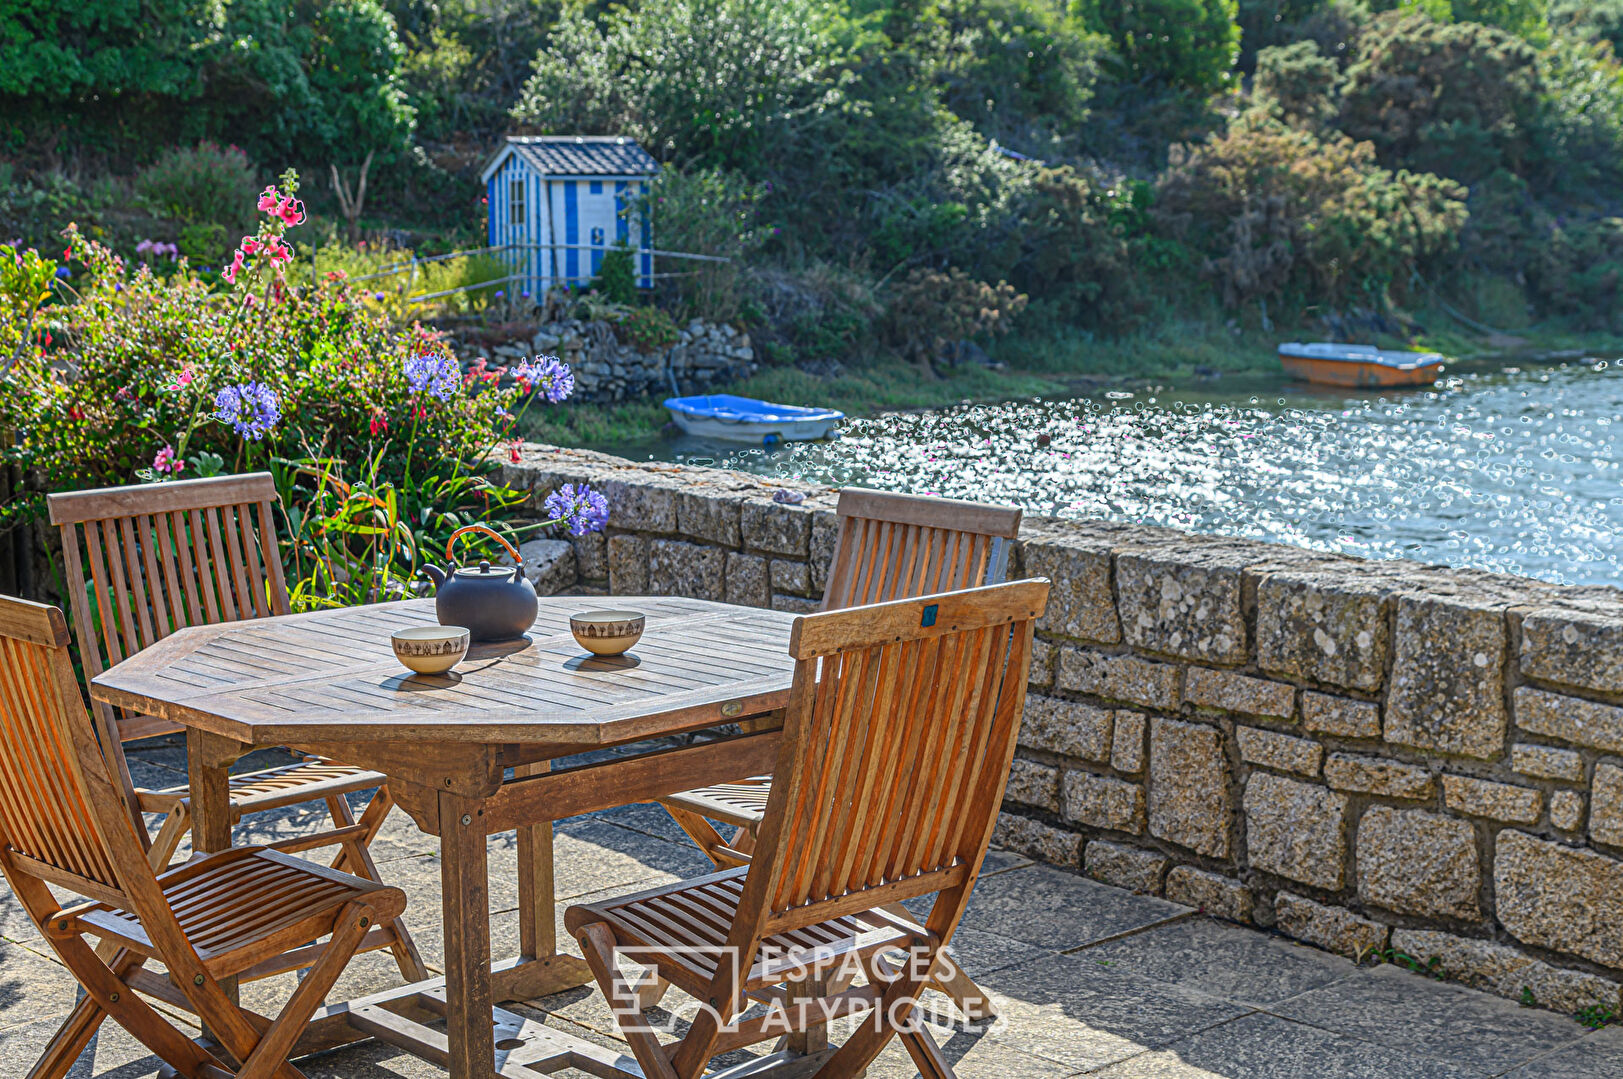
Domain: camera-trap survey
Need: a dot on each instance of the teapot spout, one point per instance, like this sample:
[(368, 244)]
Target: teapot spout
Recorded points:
[(434, 574)]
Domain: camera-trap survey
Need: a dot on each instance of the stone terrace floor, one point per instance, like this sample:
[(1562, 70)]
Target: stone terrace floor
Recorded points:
[(1091, 980)]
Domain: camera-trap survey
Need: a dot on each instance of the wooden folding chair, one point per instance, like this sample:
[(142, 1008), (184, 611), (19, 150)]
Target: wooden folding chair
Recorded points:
[(896, 747), (164, 556), (888, 546), (65, 820)]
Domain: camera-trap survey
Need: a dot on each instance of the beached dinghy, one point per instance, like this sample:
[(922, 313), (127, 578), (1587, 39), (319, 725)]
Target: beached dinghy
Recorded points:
[(1362, 366), (744, 419)]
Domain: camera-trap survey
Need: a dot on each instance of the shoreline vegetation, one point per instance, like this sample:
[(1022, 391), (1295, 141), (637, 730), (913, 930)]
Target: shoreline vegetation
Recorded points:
[(1060, 366)]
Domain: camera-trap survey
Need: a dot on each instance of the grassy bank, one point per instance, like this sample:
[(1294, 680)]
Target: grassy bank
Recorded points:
[(1051, 366)]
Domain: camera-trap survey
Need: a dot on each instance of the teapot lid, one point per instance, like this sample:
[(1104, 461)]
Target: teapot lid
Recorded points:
[(484, 570)]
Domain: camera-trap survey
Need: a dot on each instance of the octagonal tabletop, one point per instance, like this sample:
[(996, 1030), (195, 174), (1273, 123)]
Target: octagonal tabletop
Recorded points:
[(331, 676)]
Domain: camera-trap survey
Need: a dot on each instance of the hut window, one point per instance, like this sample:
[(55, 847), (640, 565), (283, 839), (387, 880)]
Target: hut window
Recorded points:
[(597, 237), (515, 201)]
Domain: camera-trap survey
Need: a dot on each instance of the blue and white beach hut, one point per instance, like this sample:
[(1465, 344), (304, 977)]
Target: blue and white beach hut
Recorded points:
[(558, 203)]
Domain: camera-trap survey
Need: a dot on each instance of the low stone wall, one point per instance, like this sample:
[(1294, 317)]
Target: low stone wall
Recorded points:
[(606, 369), (1364, 755)]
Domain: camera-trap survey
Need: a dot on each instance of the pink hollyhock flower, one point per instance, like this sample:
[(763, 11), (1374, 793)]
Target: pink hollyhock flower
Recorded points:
[(291, 211), (250, 244), (186, 376), (278, 252), (512, 450), (267, 200), (232, 270)]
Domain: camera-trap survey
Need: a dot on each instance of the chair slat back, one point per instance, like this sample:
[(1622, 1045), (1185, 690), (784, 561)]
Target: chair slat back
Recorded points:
[(53, 777), (144, 561), (893, 546), (898, 742)]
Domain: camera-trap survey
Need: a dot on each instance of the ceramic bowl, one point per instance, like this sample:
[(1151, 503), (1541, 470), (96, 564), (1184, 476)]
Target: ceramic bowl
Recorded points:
[(606, 633), (430, 649)]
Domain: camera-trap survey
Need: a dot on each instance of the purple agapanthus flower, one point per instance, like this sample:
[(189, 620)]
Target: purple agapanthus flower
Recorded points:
[(249, 407), (549, 375), (579, 508), (437, 375)]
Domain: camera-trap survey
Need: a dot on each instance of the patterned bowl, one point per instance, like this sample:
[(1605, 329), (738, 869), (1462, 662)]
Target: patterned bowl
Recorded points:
[(430, 649), (606, 633)]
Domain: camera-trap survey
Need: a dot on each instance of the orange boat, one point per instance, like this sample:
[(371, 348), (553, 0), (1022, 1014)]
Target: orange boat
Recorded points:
[(1359, 366)]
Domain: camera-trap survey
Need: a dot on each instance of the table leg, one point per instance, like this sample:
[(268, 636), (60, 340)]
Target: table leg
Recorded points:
[(537, 926), (464, 878), (208, 773)]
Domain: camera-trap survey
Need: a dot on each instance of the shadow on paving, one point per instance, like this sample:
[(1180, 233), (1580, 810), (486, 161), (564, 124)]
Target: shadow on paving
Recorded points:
[(1089, 979)]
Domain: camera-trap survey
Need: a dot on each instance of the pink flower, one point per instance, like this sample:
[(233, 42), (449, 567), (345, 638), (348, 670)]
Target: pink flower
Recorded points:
[(267, 200), (380, 422), (512, 449), (231, 271), (291, 211), (278, 252), (250, 244), (166, 461), (186, 376)]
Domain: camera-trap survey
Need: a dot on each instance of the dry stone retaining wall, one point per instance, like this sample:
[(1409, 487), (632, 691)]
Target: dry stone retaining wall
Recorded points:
[(1364, 755)]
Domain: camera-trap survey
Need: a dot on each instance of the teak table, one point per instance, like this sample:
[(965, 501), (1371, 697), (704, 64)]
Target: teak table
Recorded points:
[(467, 755)]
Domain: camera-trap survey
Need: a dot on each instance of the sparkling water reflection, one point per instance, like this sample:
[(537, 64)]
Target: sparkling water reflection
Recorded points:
[(1515, 471)]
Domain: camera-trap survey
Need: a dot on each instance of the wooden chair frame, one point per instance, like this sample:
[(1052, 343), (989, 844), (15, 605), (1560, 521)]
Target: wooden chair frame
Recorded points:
[(66, 820), (896, 748), (164, 556), (888, 546)]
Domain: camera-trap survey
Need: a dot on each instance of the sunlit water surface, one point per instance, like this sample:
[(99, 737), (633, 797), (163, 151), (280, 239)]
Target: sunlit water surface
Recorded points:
[(1515, 471)]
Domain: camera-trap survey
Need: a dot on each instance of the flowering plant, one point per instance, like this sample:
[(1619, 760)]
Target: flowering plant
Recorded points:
[(160, 378)]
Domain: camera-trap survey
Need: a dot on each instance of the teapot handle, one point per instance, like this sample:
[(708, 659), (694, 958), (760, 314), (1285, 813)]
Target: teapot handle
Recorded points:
[(491, 532)]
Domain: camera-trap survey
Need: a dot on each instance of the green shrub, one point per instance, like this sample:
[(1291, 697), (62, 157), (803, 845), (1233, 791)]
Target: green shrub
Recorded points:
[(1300, 81), (1458, 100), (1589, 20), (204, 184), (391, 293), (617, 276), (1191, 44), (1282, 214), (707, 212), (929, 310), (647, 328)]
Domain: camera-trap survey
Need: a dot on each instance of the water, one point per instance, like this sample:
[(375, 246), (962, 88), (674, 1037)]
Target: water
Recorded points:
[(1514, 470)]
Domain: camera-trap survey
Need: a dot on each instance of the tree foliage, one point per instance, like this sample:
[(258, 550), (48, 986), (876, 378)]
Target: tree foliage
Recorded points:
[(1189, 44)]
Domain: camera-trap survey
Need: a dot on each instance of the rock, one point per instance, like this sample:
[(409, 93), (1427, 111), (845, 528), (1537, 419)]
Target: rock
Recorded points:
[(549, 564), (1125, 867), (776, 529), (1041, 675), (1606, 805), (795, 604), (592, 555), (1176, 603), (746, 580), (1066, 728), (1209, 892), (1052, 845), (1127, 743), (1500, 969), (824, 534), (1571, 719), (1574, 648), (1230, 692), (1331, 928), (1279, 751), (1324, 714), (1324, 627), (1447, 689), (1496, 801), (1414, 862), (1378, 776), (1567, 810), (790, 576), (1103, 802), (1033, 784), (1546, 762), (640, 506), (1189, 800), (1553, 896), (1128, 679), (628, 565), (676, 568), (1080, 601), (1296, 830)]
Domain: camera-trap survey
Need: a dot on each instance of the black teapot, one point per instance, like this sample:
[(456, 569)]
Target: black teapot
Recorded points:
[(494, 603)]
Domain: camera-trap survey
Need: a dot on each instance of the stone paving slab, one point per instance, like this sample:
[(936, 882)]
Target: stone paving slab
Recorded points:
[(1091, 980)]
